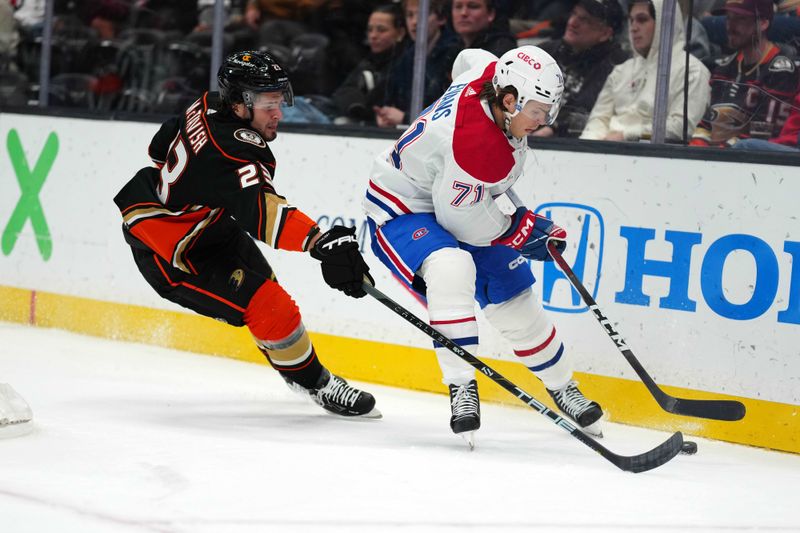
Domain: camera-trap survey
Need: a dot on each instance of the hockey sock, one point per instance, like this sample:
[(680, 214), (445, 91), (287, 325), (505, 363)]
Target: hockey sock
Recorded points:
[(546, 360), (305, 370), (274, 320), (463, 330), (523, 322)]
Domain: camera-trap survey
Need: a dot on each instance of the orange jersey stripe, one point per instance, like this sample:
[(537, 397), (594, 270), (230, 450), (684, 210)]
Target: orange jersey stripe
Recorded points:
[(295, 230)]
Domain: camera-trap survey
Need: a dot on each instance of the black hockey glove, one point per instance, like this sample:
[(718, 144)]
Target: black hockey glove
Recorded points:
[(343, 268)]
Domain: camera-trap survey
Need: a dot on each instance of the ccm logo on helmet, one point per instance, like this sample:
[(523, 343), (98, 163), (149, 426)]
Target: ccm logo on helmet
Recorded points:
[(529, 60)]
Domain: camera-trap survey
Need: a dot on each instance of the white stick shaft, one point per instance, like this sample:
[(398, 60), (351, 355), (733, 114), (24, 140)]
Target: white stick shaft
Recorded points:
[(514, 198)]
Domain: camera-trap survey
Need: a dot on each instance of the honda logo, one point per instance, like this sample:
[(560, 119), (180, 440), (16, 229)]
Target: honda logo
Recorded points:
[(585, 241)]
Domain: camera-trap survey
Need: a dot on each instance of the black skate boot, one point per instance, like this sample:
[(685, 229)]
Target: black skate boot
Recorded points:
[(465, 406), (333, 394), (586, 413)]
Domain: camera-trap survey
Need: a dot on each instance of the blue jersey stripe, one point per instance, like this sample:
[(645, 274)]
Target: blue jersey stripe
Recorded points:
[(382, 205), (549, 363)]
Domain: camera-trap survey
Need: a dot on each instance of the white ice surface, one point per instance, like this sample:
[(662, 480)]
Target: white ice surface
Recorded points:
[(134, 438)]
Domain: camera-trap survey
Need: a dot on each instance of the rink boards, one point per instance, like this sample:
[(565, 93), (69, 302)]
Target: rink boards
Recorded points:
[(693, 261)]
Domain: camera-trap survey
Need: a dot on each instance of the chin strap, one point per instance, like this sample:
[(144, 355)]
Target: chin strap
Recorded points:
[(507, 118)]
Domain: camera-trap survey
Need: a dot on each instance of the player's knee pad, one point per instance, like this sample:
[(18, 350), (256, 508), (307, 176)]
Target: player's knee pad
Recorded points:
[(520, 319), (274, 320), (524, 323), (449, 274)]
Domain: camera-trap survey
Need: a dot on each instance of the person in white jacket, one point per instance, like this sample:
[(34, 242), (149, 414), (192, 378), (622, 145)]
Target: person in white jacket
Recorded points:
[(435, 225), (624, 108)]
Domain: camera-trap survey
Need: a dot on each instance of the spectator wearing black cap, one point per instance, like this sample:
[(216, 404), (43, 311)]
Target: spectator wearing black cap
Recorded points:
[(751, 89), (587, 53), (784, 27)]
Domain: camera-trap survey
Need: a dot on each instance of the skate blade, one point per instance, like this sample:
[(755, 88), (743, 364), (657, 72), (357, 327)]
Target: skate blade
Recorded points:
[(469, 438), (16, 429), (374, 414), (594, 429)]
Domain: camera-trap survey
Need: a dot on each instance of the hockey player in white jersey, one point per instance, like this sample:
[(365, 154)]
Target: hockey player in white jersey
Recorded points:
[(435, 224)]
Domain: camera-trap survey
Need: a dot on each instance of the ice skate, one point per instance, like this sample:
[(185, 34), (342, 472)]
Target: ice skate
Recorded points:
[(586, 413), (336, 396), (466, 411), (16, 417)]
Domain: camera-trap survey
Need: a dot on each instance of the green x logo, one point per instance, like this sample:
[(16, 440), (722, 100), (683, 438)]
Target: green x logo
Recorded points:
[(30, 183)]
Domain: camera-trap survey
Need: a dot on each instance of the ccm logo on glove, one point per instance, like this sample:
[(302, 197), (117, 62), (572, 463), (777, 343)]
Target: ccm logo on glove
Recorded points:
[(523, 231), (529, 233)]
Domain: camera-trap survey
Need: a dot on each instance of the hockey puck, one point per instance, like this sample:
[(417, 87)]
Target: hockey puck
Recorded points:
[(689, 447)]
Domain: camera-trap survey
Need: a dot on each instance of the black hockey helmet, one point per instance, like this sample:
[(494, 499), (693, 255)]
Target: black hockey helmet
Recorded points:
[(245, 74)]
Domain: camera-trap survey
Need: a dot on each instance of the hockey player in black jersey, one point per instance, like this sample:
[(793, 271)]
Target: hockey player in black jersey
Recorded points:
[(190, 221)]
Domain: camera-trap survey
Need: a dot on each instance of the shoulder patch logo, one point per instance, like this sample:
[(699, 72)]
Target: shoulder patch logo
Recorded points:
[(249, 136), (781, 64), (470, 92)]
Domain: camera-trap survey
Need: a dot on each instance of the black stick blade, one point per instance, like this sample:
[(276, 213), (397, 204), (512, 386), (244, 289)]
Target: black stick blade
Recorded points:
[(727, 410), (652, 459)]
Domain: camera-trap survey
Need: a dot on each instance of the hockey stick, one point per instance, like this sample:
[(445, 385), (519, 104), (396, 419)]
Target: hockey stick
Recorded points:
[(729, 410), (636, 463)]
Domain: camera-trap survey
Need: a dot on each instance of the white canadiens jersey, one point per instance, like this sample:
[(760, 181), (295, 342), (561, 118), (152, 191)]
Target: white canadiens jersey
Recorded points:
[(452, 161)]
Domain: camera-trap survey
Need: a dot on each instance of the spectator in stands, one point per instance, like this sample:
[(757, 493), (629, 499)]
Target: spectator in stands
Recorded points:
[(180, 16), (9, 36), (30, 15), (624, 108), (750, 89), (396, 108), (784, 27), (473, 21), (536, 18), (365, 86), (13, 83), (291, 16), (320, 39), (237, 34), (106, 17), (587, 54), (787, 141)]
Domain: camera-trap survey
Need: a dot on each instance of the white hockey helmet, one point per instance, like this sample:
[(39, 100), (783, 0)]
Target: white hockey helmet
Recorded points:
[(534, 74)]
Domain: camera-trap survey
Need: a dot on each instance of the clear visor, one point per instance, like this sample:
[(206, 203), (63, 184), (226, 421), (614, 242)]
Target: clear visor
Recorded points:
[(533, 96), (541, 112), (270, 100)]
